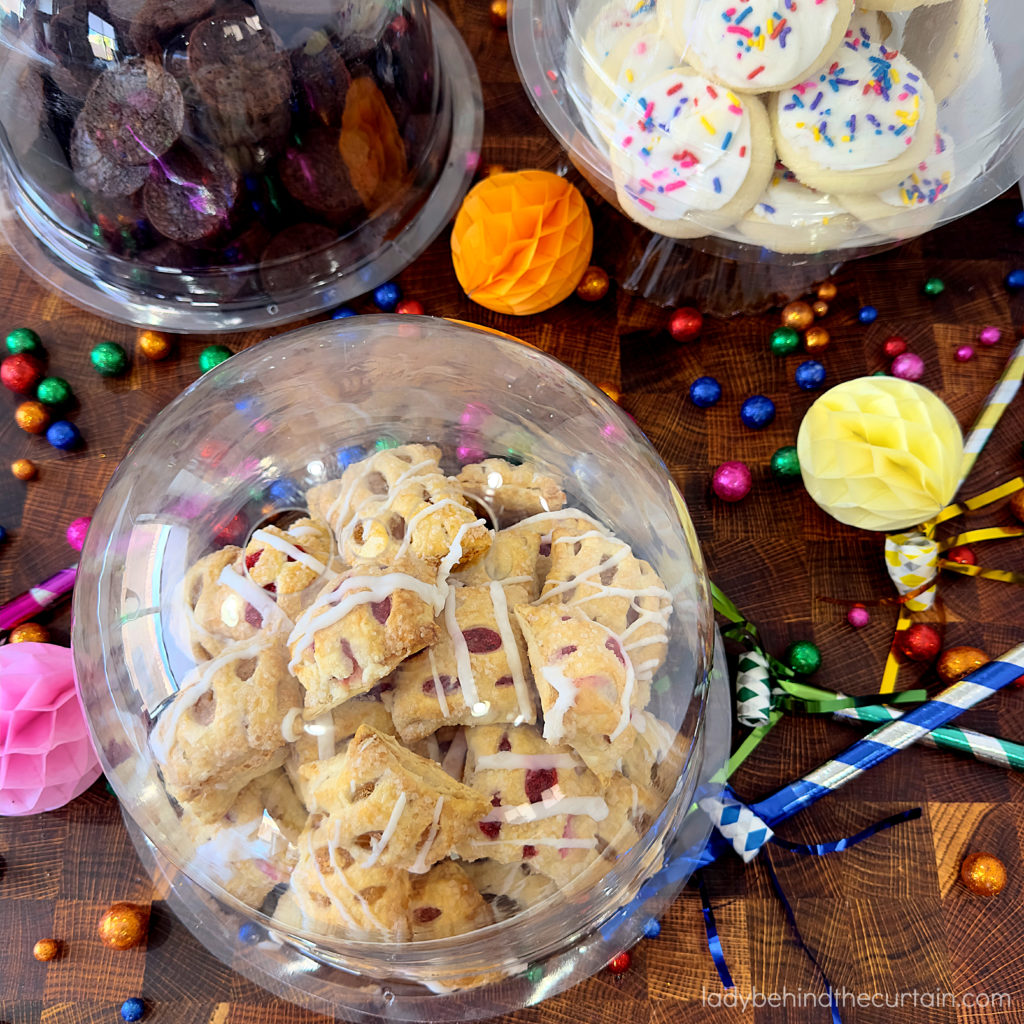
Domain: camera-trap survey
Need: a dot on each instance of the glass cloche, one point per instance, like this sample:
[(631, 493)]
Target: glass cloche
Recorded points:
[(402, 668), (781, 132), (219, 164)]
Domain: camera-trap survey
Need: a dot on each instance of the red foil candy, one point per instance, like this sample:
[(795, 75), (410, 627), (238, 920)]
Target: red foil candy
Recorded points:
[(919, 643), (962, 555), (686, 324), (21, 373)]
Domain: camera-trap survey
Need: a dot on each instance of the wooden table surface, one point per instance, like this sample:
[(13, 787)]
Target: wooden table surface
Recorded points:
[(888, 920)]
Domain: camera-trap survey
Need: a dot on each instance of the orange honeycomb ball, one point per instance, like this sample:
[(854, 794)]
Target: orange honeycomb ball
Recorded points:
[(521, 241)]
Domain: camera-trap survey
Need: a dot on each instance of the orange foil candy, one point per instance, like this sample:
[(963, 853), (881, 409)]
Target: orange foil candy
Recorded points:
[(521, 242)]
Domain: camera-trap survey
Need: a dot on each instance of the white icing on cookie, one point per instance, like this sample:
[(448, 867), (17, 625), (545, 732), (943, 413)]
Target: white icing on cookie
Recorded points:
[(761, 44), (684, 144), (930, 181), (615, 19), (859, 111), (787, 203)]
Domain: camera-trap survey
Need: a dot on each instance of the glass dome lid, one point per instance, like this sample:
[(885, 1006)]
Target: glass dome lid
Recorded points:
[(776, 131), (408, 669), (218, 164)]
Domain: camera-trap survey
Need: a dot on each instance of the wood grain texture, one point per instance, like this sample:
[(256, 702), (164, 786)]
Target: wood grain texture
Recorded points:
[(888, 917)]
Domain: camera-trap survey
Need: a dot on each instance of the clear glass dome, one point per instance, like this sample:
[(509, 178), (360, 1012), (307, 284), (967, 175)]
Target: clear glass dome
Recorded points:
[(217, 164), (775, 132), (512, 581)]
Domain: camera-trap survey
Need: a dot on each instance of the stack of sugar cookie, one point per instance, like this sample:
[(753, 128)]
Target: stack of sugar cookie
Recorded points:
[(797, 125)]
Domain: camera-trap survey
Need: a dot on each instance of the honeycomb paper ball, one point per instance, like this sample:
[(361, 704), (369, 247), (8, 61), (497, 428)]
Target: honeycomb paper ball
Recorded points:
[(521, 242), (880, 453), (46, 755)]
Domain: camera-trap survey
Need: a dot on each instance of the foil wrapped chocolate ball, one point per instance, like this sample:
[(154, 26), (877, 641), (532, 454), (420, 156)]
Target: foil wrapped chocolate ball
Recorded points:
[(685, 324), (956, 662), (798, 315), (984, 874), (32, 417), (919, 642), (29, 633), (21, 373), (46, 950), (593, 284), (123, 926)]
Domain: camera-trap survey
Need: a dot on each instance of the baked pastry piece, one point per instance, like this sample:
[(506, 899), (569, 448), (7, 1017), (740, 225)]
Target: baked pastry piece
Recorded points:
[(509, 889), (223, 727), (251, 848), (475, 673), (545, 806), (334, 894), (391, 807), (586, 682), (358, 629), (601, 576), (289, 564), (445, 902), (512, 559), (656, 760), (399, 501), (509, 493), (321, 738), (223, 606)]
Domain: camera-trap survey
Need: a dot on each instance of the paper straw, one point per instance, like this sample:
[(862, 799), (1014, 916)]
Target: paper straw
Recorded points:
[(995, 405), (38, 599), (988, 749)]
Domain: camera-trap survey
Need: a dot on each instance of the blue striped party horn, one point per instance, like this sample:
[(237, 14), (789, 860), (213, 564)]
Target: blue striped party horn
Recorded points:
[(745, 828), (748, 827)]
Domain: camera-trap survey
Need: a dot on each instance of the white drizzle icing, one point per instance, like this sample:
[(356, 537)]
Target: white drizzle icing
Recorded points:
[(296, 554), (193, 686), (288, 730), (322, 727), (627, 689), (507, 760), (467, 681), (442, 700), (515, 662), (333, 606), (550, 805), (563, 844), (562, 513), (385, 501), (554, 717), (415, 521), (454, 553), (379, 845), (419, 865), (256, 596)]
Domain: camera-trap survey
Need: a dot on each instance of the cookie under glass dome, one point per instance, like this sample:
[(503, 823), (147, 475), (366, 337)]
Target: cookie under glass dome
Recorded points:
[(786, 136), (404, 679), (214, 165)]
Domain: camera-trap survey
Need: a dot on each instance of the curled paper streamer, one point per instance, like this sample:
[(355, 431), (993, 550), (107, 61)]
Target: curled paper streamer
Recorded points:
[(753, 689), (521, 241), (912, 560), (46, 754), (880, 453)]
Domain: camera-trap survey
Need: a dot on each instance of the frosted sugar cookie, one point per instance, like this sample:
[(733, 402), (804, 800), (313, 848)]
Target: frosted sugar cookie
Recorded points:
[(755, 45), (860, 124), (916, 198), (689, 156), (641, 54), (790, 217), (944, 42)]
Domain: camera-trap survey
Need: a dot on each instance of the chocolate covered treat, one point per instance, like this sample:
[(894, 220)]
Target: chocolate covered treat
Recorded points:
[(99, 173), (188, 197), (134, 112)]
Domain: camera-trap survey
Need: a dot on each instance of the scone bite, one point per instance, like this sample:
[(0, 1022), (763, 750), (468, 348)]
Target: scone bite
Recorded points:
[(861, 123), (689, 156), (359, 628), (755, 45), (391, 807)]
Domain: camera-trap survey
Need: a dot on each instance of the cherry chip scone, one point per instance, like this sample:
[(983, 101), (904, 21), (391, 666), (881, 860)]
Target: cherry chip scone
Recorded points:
[(422, 709)]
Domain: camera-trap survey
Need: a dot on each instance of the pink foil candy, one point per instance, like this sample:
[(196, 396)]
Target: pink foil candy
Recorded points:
[(46, 753)]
